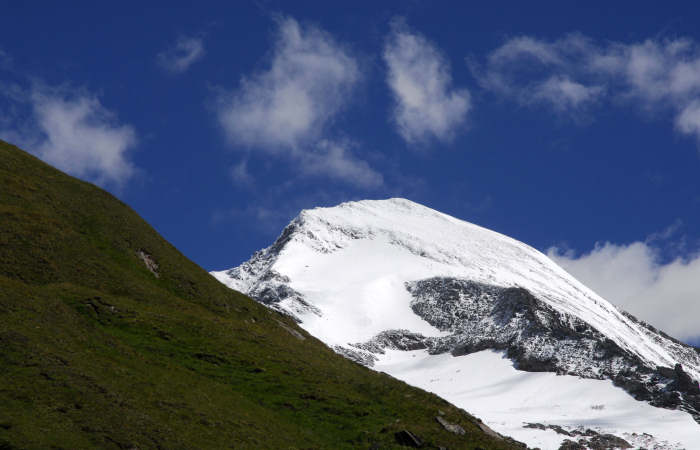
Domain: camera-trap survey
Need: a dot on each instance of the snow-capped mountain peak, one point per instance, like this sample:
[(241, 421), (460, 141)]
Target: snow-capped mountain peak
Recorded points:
[(373, 275)]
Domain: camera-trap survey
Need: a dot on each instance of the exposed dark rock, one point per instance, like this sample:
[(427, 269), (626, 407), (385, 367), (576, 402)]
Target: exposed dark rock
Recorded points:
[(606, 442), (408, 439), (588, 439), (395, 340), (359, 356), (274, 291), (694, 400), (568, 444), (668, 399), (525, 362), (559, 430), (683, 382), (271, 287), (538, 338), (666, 372), (473, 347), (633, 386), (537, 426)]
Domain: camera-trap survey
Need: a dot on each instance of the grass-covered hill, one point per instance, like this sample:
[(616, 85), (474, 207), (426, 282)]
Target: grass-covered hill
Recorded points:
[(111, 338)]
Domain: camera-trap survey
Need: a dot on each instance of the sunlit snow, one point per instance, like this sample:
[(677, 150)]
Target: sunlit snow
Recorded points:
[(487, 385), (352, 262)]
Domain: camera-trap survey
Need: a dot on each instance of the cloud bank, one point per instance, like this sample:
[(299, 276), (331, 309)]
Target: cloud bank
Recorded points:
[(73, 131), (185, 52), (426, 106), (667, 295), (287, 109), (574, 73)]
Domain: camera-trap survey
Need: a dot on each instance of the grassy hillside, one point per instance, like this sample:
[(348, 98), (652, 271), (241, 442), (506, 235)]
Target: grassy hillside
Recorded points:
[(98, 350)]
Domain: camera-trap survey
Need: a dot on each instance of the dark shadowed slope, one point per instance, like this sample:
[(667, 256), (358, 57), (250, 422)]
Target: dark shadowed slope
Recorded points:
[(110, 338)]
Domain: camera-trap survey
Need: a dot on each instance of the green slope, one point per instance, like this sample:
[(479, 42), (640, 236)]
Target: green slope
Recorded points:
[(98, 351)]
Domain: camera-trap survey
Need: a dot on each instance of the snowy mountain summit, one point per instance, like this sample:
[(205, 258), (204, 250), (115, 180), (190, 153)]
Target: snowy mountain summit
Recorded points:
[(481, 319)]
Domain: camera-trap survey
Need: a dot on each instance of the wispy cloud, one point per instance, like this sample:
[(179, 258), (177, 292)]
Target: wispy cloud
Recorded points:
[(182, 54), (688, 120), (73, 131), (240, 175), (286, 109), (634, 277), (5, 60), (426, 106), (336, 159), (575, 73), (564, 94)]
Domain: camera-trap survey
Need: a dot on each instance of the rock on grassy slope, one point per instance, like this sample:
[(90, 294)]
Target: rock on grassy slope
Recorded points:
[(110, 338)]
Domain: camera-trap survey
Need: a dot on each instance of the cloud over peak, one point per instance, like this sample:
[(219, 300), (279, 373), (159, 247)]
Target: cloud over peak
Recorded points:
[(634, 277), (426, 106)]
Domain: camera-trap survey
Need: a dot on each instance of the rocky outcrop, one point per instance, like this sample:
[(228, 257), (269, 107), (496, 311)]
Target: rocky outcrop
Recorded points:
[(535, 336), (148, 260), (584, 439), (451, 427)]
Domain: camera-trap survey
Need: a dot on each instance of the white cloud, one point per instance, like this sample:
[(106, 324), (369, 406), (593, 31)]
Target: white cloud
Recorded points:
[(564, 94), (426, 104), (526, 47), (241, 175), (308, 81), (74, 132), (335, 160), (185, 52), (688, 121), (574, 72), (286, 109), (632, 277)]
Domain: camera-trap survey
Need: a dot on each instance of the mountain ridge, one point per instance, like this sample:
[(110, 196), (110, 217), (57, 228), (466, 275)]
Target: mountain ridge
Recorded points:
[(392, 274)]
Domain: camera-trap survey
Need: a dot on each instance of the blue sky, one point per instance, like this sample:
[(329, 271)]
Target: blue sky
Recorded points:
[(574, 128)]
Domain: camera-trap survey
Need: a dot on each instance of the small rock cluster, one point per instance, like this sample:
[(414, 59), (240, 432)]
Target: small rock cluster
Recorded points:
[(587, 439)]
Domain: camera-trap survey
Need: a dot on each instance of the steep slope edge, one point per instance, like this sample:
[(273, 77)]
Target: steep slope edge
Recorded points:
[(110, 338)]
